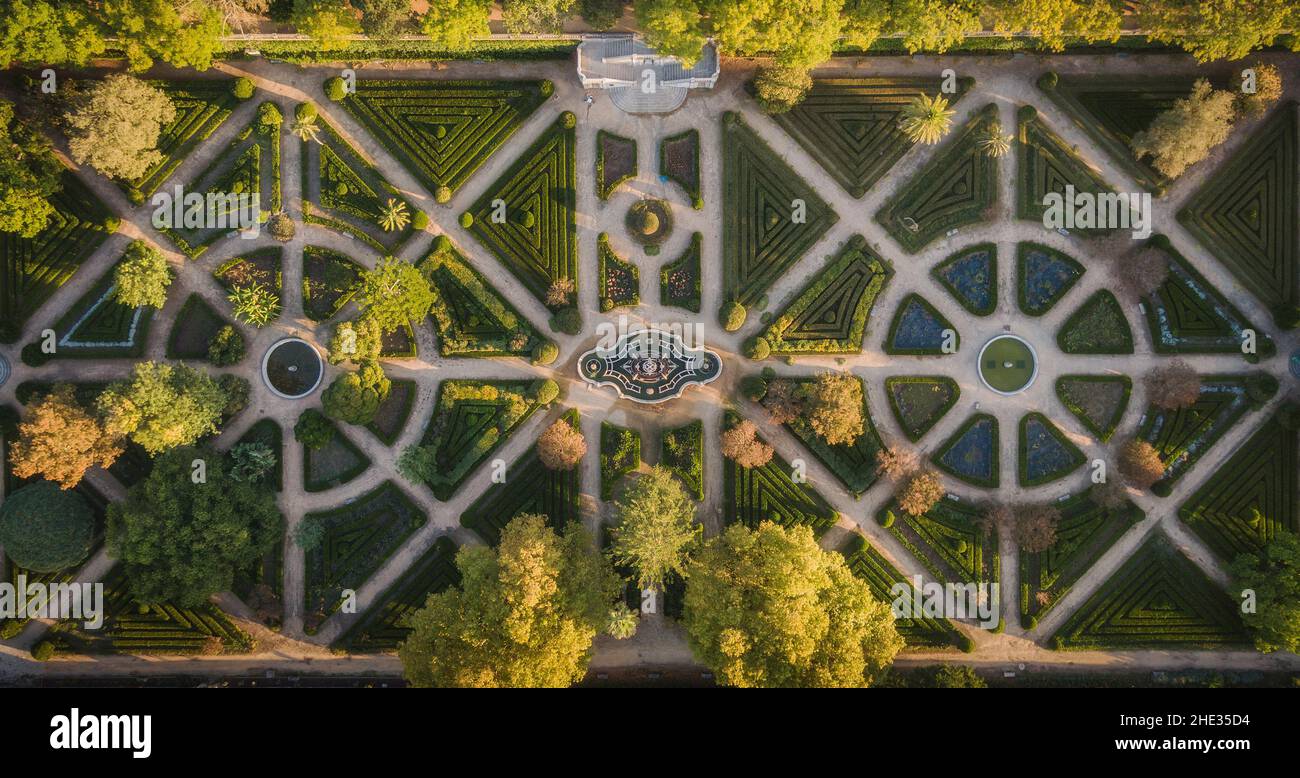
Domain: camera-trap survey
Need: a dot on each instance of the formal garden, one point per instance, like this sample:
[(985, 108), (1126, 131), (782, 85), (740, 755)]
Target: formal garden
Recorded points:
[(397, 417)]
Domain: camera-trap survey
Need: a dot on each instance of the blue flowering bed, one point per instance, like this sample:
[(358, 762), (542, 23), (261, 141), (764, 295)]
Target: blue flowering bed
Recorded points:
[(1044, 276), (971, 276), (1045, 453), (971, 454), (917, 328)]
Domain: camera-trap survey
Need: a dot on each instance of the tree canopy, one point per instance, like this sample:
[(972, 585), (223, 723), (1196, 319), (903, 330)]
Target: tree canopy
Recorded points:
[(1274, 576), (163, 406), (114, 126), (183, 541), (768, 607), (45, 529), (525, 613), (60, 440), (142, 277), (656, 527), (29, 175), (42, 32), (355, 397), (394, 294)]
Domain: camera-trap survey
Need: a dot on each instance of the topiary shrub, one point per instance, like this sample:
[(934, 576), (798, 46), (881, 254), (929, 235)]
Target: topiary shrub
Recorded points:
[(547, 88), (226, 347), (242, 89), (1162, 488), (33, 356), (568, 321), (268, 115), (305, 112), (757, 348), (966, 644), (46, 529), (467, 220), (1048, 80), (43, 651), (545, 352), (420, 221), (281, 227), (336, 88), (442, 194), (568, 120), (1027, 621), (112, 224), (135, 195), (1260, 388), (732, 316), (753, 387), (545, 391), (313, 430), (887, 518)]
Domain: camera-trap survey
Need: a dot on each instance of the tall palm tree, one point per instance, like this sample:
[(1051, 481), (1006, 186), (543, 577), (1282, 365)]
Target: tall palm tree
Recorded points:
[(994, 142), (926, 119), (393, 216)]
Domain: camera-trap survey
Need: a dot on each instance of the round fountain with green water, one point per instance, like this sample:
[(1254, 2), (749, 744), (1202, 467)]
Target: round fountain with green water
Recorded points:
[(1008, 364)]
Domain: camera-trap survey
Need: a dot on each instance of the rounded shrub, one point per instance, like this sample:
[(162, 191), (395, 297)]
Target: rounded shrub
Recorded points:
[(732, 316), (442, 194), (420, 220), (1162, 488), (568, 120), (281, 227), (545, 352), (568, 321), (887, 518), (698, 203), (112, 224), (966, 644), (1048, 80), (467, 220), (753, 387), (1260, 388), (135, 195), (242, 89), (305, 112), (268, 115), (1028, 622), (226, 347), (545, 391), (547, 88), (757, 348), (335, 88), (43, 651), (46, 529), (33, 356), (768, 373)]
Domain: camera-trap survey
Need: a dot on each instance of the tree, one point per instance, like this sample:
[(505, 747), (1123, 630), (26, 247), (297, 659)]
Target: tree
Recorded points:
[(182, 539), (358, 342), (1188, 130), (395, 294), (996, 517), (561, 446), (1268, 90), (226, 347), (1055, 20), (252, 461), (934, 25), (240, 15), (1141, 274), (559, 292), (672, 28), (115, 124), (1140, 464), (60, 440), (329, 23), (45, 529), (1273, 574), (385, 18), (524, 615), (29, 175), (1111, 494), (41, 32), (163, 406), (780, 89), (994, 142), (142, 277), (313, 430), (897, 462), (741, 445), (655, 527), (922, 492), (529, 17), (783, 401), (393, 216), (1217, 29), (926, 119), (836, 407), (255, 304), (307, 129), (601, 14), (769, 608), (454, 24), (1035, 528), (1173, 385), (355, 397), (310, 533), (795, 33), (183, 34), (863, 21), (281, 227)]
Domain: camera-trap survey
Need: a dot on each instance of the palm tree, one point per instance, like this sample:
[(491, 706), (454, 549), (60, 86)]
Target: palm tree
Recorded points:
[(994, 142), (393, 216), (926, 119), (255, 304), (306, 129)]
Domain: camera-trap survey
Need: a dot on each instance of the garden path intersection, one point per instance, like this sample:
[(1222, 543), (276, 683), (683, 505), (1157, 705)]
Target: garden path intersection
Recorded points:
[(1005, 82)]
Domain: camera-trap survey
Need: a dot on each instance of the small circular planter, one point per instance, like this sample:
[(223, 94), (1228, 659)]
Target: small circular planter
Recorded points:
[(649, 222), (1008, 365), (292, 368)]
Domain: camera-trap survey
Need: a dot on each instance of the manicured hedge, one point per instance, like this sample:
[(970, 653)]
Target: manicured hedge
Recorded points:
[(919, 402), (98, 326), (1076, 392), (680, 280), (1098, 327), (972, 454), (872, 567), (615, 162), (387, 622), (1047, 165), (1183, 436), (948, 541), (1043, 276), (1045, 454), (336, 464), (471, 419), (682, 451), (971, 277), (917, 329), (620, 454), (470, 317), (679, 162), (854, 464), (831, 313), (620, 281), (768, 493)]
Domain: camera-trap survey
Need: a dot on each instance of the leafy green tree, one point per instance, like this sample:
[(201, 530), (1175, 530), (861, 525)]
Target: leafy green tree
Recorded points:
[(454, 24), (863, 21), (29, 175), (310, 533), (226, 347), (780, 89), (255, 304), (356, 397), (182, 538), (163, 406), (796, 33), (395, 294), (525, 613), (926, 119), (672, 27), (1055, 20), (182, 34), (252, 461), (385, 18), (601, 14), (1188, 130), (836, 408), (45, 529), (313, 430), (1218, 29), (656, 527), (115, 124), (535, 16), (40, 32), (768, 607), (1274, 576), (358, 342), (327, 22), (142, 277), (935, 25)]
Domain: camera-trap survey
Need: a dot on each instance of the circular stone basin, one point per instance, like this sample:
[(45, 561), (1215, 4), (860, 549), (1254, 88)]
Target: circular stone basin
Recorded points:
[(1008, 364), (292, 368)]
